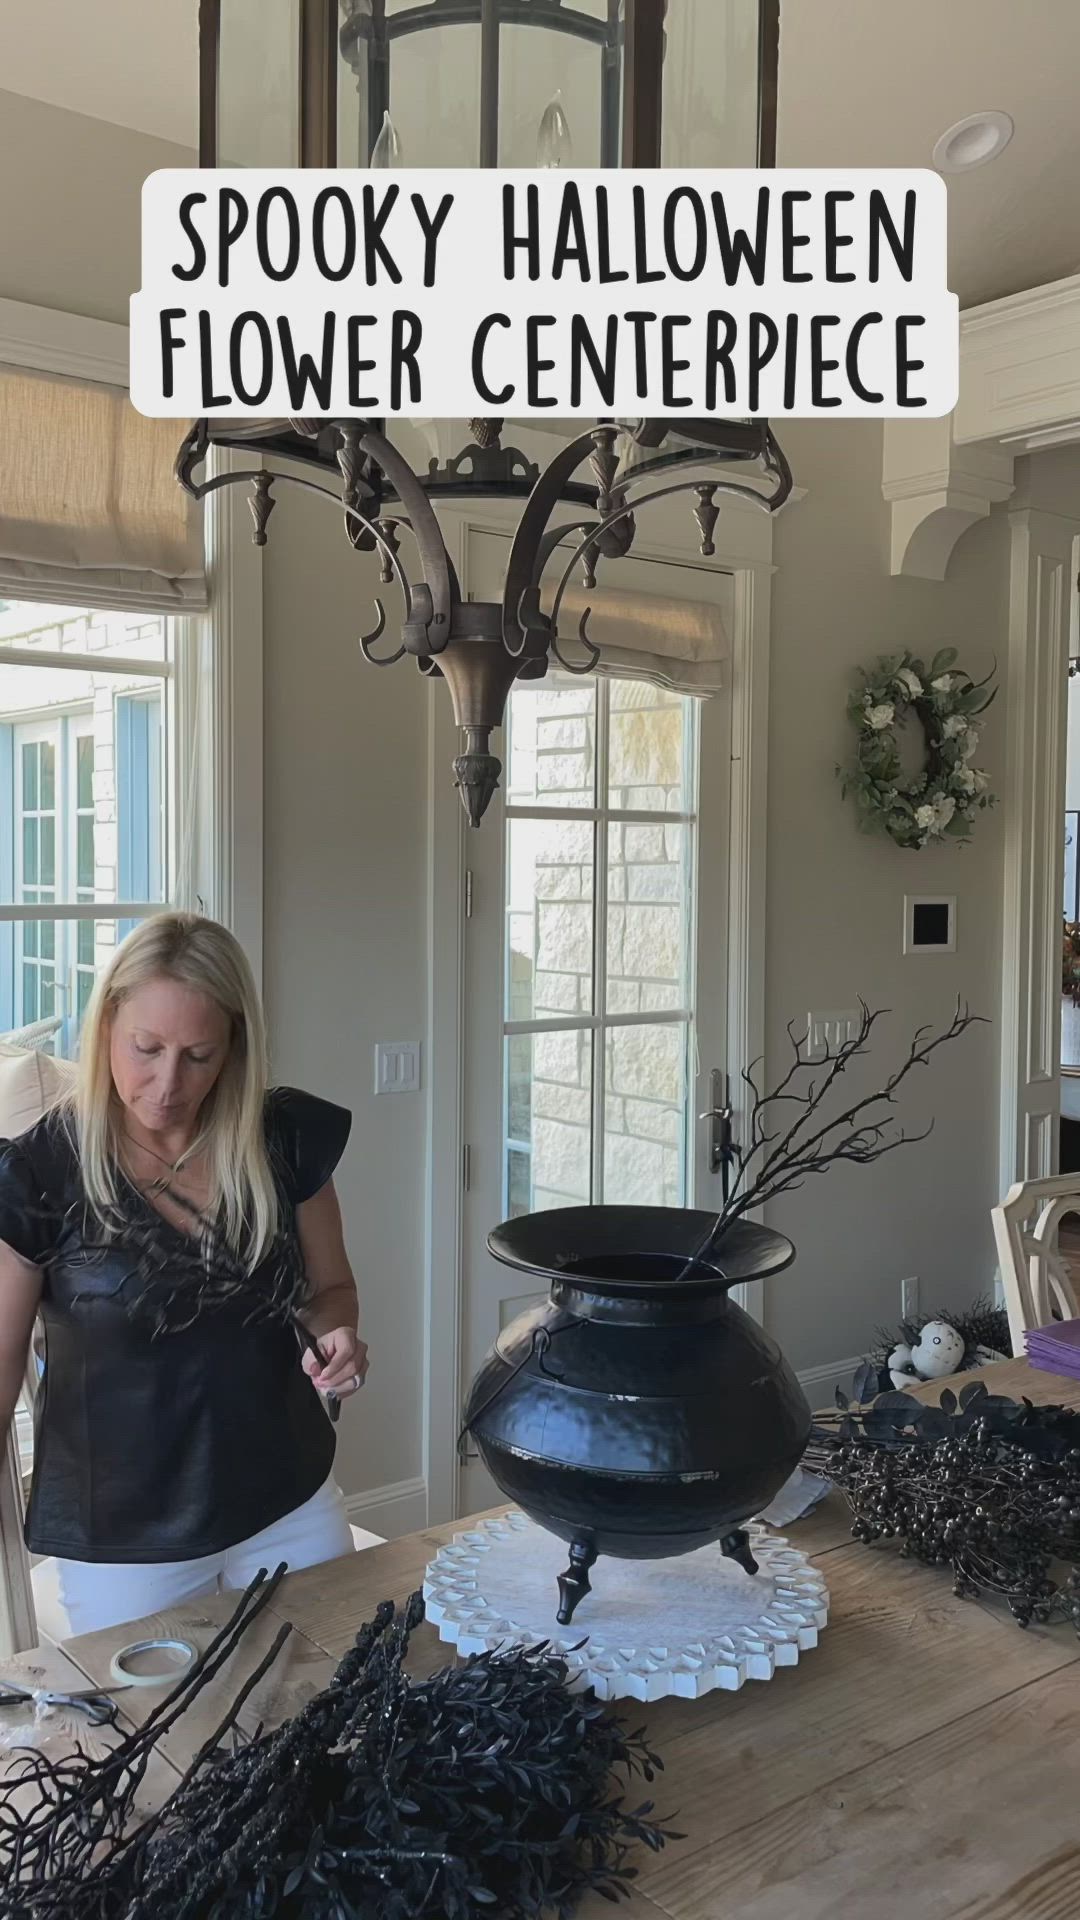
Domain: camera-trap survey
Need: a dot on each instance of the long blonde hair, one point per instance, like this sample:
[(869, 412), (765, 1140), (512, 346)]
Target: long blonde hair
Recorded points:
[(206, 957)]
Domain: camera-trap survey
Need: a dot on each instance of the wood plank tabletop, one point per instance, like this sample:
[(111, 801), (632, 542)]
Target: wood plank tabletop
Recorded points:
[(46, 1667), (922, 1759)]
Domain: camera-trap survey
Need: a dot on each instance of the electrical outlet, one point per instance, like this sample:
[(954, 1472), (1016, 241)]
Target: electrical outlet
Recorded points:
[(909, 1298), (827, 1032)]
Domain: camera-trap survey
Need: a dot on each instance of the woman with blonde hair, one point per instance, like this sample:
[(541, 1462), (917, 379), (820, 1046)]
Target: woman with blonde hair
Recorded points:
[(174, 1223)]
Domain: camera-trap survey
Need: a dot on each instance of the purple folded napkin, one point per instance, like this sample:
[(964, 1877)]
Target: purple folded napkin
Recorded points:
[(1056, 1348), (1059, 1333)]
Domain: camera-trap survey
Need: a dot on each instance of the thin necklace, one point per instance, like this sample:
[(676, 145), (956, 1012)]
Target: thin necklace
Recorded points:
[(161, 1184), (173, 1165)]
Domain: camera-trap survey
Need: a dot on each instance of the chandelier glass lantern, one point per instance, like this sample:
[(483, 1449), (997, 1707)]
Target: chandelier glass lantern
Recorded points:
[(510, 83)]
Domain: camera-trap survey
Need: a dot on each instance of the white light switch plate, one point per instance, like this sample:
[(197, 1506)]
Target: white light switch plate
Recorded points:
[(826, 1032), (397, 1066)]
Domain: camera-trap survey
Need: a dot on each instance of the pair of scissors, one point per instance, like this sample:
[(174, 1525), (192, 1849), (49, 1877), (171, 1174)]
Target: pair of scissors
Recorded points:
[(308, 1341), (99, 1708)]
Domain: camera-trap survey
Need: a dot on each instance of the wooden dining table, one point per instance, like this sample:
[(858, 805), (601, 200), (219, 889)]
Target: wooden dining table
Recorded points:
[(922, 1760)]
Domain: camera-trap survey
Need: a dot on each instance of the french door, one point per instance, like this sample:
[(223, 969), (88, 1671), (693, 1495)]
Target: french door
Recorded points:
[(595, 996)]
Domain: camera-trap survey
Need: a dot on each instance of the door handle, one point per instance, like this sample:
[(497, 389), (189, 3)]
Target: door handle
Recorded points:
[(719, 1115)]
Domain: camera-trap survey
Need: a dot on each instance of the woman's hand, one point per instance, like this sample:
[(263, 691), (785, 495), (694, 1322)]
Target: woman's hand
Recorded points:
[(344, 1363)]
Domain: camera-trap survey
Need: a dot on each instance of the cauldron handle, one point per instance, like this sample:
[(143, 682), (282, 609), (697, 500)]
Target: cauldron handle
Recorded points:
[(538, 1347)]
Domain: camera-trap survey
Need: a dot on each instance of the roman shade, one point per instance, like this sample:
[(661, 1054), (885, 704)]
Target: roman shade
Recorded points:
[(678, 644), (90, 509)]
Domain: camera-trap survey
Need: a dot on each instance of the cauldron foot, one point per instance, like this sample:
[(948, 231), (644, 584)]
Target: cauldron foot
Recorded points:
[(574, 1583), (737, 1547)]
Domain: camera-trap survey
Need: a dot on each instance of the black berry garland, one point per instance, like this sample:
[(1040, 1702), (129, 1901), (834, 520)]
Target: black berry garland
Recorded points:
[(986, 1486), (485, 1789)]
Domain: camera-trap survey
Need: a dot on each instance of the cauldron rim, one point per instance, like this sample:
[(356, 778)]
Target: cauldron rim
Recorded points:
[(544, 1243)]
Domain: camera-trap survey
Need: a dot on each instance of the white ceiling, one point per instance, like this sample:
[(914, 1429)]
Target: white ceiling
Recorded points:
[(134, 62), (862, 83), (874, 82)]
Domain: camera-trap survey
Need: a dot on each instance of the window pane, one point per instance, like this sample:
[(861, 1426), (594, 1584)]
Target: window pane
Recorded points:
[(648, 761), (535, 66), (30, 776), (138, 835), (438, 125), (47, 850), (549, 918), (645, 1115), (648, 935), (98, 826), (551, 746), (78, 630), (549, 1105), (47, 758), (710, 84), (518, 1183), (84, 761), (519, 1087), (39, 961), (84, 874), (259, 86)]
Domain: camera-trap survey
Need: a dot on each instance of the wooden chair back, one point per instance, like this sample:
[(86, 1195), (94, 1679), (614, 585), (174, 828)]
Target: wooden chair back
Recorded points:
[(1036, 1277)]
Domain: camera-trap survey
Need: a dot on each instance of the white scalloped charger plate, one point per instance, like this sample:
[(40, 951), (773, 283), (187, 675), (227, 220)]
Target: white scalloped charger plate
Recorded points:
[(649, 1628)]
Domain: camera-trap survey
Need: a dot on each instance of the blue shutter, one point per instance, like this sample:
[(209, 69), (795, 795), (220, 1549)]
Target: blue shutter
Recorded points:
[(138, 800), (7, 877)]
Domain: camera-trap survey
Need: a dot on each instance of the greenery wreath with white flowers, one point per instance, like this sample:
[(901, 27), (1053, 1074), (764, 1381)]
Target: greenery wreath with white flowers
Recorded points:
[(940, 801)]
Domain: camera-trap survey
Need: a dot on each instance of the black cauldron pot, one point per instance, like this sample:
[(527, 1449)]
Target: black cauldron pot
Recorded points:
[(635, 1413)]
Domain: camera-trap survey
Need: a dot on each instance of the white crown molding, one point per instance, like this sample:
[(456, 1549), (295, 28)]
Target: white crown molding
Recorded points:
[(936, 490), (63, 343), (1019, 393), (1020, 366)]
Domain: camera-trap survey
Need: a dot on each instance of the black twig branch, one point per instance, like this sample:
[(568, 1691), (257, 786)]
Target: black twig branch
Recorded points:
[(786, 1138)]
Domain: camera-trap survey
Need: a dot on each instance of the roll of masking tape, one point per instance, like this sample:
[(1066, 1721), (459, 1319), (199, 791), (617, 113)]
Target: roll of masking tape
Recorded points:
[(123, 1676)]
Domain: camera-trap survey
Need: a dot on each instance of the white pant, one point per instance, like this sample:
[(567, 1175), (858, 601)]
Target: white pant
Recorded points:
[(79, 1596)]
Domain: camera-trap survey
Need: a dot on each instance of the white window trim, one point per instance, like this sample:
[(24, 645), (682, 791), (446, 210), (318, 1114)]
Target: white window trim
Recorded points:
[(219, 732), (744, 537), (219, 695), (220, 720)]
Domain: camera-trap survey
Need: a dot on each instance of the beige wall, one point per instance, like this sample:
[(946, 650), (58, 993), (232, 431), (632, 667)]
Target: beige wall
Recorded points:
[(345, 958), (69, 207), (835, 899)]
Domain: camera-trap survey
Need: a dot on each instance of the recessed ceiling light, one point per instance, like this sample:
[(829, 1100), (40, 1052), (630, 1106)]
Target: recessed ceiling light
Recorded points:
[(972, 142)]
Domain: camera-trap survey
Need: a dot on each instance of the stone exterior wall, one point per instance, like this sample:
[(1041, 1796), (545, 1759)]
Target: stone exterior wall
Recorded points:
[(550, 881)]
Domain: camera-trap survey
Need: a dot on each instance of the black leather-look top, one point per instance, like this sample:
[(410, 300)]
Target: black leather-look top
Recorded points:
[(153, 1444)]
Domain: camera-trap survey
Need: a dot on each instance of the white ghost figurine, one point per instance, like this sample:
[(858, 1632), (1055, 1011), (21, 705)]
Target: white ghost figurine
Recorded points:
[(899, 1364), (940, 1351)]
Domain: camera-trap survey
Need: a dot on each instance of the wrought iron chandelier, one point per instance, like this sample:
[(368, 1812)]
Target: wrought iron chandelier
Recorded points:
[(299, 85)]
